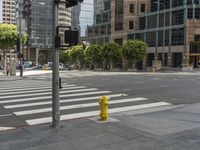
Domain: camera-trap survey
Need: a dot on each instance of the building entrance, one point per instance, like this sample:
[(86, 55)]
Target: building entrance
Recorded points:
[(195, 60), (195, 54)]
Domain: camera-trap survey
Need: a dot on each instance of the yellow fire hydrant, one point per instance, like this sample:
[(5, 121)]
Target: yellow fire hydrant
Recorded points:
[(104, 108)]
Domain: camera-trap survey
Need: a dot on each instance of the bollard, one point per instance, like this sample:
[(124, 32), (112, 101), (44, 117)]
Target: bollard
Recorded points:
[(60, 86), (153, 69), (104, 108)]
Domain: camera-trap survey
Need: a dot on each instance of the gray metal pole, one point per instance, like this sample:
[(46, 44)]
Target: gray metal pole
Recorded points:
[(20, 41), (55, 73), (163, 55)]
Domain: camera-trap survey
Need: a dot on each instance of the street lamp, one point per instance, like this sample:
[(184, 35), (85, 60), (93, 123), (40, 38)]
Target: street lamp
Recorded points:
[(163, 44)]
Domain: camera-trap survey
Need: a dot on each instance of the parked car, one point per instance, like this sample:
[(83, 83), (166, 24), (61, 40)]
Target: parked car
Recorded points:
[(37, 67), (61, 68)]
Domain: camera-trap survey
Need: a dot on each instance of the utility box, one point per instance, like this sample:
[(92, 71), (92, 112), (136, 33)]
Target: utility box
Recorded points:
[(13, 68)]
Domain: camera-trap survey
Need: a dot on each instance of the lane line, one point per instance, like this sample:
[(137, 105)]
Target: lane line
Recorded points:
[(43, 90), (6, 115), (95, 113), (61, 101), (45, 93), (6, 128), (36, 111), (46, 97), (31, 88)]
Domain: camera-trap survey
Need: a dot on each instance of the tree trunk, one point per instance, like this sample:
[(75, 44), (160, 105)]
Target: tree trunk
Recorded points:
[(111, 66), (4, 57)]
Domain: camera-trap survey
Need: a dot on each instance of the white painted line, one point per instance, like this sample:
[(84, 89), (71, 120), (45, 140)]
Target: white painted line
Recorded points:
[(95, 113), (6, 115), (45, 93), (6, 128), (31, 88), (35, 111), (61, 101), (46, 97), (23, 86), (38, 90), (136, 107)]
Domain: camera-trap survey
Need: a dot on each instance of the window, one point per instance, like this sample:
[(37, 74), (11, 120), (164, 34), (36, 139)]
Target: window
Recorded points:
[(142, 22), (131, 8), (142, 8), (119, 41), (197, 37), (131, 25)]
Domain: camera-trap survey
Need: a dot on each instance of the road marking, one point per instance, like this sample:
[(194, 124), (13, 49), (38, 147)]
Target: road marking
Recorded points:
[(6, 115), (43, 90), (46, 97), (45, 93), (35, 111), (61, 101), (95, 113), (24, 85), (6, 128), (31, 88)]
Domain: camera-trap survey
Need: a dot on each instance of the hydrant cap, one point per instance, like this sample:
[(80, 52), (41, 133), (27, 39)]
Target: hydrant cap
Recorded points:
[(105, 98)]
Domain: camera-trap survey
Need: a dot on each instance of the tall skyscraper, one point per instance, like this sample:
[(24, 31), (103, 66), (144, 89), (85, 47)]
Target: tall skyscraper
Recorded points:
[(82, 17), (100, 31), (1, 11), (169, 27), (38, 15), (7, 11)]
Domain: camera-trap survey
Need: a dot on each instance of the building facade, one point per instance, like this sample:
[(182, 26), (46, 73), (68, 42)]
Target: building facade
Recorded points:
[(7, 11), (100, 32), (1, 11), (38, 15), (170, 28), (82, 17)]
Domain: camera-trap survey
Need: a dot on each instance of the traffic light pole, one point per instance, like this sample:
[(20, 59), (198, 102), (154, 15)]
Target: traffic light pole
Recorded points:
[(55, 71)]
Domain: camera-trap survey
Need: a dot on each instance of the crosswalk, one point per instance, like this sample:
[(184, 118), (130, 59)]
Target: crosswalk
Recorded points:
[(30, 100), (71, 74)]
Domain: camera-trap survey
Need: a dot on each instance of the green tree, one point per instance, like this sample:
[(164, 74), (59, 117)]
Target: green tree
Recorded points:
[(134, 50), (111, 53), (65, 56), (78, 55), (93, 54), (8, 38)]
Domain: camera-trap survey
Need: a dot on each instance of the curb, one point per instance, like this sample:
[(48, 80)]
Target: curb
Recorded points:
[(3, 78)]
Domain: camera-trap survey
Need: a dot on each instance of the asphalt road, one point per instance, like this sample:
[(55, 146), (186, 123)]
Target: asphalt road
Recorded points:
[(173, 88), (28, 101)]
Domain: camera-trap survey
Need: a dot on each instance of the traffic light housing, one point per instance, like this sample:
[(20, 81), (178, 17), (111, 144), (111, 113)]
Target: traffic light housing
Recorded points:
[(71, 3), (71, 37)]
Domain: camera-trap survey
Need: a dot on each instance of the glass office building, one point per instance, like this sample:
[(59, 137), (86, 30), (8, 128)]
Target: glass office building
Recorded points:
[(176, 39), (82, 17), (100, 31), (175, 43), (38, 15)]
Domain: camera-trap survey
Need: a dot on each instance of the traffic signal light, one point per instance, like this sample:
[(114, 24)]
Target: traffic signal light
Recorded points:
[(71, 37), (71, 3)]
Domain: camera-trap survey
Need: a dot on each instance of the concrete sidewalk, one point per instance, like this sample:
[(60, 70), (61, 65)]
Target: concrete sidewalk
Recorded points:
[(174, 129)]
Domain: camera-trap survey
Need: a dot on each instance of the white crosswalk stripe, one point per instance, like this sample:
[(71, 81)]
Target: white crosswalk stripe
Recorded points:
[(33, 103)]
